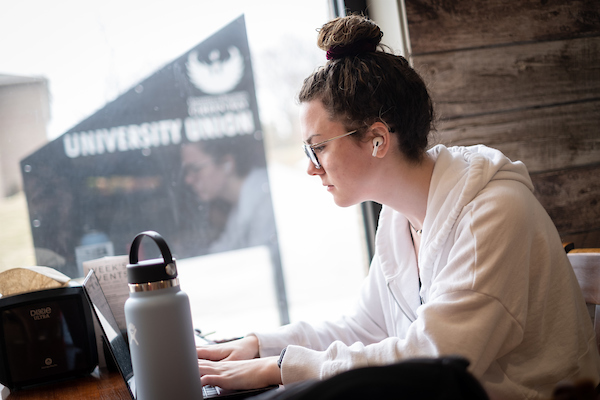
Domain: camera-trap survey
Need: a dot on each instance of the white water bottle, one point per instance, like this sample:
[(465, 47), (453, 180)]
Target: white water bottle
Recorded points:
[(160, 329)]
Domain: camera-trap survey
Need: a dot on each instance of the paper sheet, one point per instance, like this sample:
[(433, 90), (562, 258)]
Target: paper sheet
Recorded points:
[(112, 275)]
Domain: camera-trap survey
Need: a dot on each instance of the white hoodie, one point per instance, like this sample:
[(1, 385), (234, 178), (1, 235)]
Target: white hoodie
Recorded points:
[(496, 288)]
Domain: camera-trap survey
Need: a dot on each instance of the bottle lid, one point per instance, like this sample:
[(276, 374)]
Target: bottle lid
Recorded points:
[(154, 270)]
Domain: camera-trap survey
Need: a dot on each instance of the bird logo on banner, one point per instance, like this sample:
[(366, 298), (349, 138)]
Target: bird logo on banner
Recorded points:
[(217, 76)]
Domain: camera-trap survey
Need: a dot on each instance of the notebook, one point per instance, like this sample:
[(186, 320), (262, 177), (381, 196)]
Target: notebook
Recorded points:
[(118, 348)]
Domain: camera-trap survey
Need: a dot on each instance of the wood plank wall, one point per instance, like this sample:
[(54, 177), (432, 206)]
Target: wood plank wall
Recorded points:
[(522, 76)]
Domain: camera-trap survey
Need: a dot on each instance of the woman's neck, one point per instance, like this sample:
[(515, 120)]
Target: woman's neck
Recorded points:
[(405, 188)]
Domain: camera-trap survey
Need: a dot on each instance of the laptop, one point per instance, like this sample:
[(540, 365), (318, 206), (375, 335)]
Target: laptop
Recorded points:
[(119, 349)]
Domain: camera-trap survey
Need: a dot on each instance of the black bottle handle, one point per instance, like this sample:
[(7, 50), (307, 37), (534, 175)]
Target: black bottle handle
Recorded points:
[(158, 239)]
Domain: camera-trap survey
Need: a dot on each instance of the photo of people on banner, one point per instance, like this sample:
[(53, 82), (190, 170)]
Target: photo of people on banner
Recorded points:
[(229, 177)]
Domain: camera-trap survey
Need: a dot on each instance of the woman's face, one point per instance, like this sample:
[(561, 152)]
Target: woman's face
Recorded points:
[(202, 174), (345, 162)]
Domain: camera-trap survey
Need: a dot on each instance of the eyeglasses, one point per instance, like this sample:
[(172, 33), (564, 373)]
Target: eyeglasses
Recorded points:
[(309, 149)]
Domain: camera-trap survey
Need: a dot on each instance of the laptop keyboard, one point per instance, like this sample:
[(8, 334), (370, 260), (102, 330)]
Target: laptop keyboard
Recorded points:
[(209, 391)]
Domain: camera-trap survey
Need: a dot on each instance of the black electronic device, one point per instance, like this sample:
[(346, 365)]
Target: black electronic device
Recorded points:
[(46, 336)]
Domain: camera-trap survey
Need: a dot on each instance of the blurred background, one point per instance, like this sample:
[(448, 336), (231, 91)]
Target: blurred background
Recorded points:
[(61, 62)]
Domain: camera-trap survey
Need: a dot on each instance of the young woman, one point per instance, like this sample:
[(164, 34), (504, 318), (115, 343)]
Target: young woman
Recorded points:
[(467, 261)]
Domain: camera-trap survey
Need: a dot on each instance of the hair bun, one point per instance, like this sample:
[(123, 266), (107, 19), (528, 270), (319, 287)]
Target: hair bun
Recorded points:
[(349, 36)]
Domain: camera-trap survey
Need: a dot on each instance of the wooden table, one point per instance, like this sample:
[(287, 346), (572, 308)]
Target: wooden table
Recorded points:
[(100, 384)]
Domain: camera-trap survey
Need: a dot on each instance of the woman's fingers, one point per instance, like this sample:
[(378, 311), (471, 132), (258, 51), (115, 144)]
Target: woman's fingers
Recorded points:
[(245, 374), (212, 352), (242, 349)]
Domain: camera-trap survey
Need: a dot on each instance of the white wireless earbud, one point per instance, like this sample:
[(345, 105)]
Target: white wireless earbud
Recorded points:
[(376, 143)]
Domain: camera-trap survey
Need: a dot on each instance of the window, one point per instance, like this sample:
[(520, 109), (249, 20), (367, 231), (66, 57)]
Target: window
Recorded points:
[(61, 68)]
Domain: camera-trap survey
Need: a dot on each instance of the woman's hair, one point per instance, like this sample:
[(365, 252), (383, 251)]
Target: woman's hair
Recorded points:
[(361, 84)]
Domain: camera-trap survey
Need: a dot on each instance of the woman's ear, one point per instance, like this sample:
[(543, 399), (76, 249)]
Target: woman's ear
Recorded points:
[(379, 136)]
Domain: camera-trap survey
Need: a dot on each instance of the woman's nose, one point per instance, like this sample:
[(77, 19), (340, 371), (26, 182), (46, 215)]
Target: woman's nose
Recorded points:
[(313, 170)]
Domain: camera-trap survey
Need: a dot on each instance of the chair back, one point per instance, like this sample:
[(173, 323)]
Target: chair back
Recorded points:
[(586, 264)]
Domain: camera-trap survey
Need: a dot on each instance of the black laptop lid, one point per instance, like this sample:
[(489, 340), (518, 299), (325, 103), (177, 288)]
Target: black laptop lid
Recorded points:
[(113, 337)]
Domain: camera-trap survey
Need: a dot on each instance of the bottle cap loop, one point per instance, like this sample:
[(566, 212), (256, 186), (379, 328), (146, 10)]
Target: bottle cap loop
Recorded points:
[(154, 270)]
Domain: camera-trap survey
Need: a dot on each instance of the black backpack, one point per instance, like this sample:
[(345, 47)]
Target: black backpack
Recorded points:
[(443, 378)]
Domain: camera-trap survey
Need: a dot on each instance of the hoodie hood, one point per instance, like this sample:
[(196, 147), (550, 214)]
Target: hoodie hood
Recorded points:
[(460, 173)]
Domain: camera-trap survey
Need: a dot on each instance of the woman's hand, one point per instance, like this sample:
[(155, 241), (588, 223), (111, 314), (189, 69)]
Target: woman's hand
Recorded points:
[(241, 349), (243, 374)]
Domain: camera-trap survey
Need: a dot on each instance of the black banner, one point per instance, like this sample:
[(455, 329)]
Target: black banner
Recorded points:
[(180, 153)]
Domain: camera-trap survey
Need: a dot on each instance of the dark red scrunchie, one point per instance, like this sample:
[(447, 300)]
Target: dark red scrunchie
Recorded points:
[(352, 49)]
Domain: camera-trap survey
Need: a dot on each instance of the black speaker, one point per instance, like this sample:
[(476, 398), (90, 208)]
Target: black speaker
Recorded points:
[(46, 336)]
